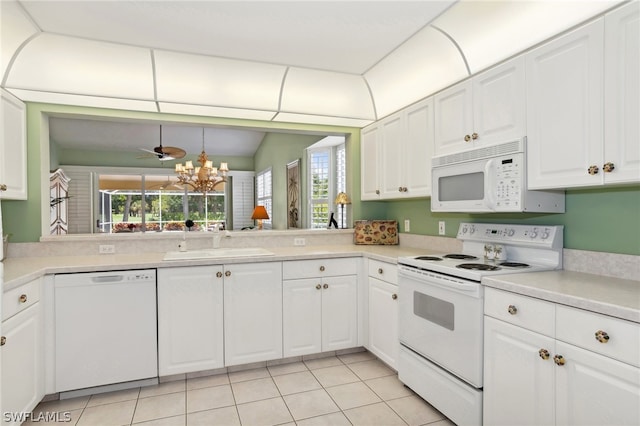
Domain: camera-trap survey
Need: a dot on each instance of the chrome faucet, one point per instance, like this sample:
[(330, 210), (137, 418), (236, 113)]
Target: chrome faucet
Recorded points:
[(216, 236)]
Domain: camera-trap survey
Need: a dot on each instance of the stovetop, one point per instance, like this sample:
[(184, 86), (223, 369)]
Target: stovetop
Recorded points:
[(493, 249)]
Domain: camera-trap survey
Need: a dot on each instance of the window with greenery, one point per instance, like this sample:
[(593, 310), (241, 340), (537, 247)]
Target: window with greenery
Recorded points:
[(327, 176), (264, 194), (141, 203)]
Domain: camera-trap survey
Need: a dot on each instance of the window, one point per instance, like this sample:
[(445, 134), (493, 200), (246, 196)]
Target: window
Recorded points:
[(326, 177), (151, 203), (264, 195)]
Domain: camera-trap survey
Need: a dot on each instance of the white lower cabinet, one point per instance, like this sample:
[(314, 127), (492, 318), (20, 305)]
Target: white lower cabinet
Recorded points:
[(536, 374), (319, 306), (22, 353), (383, 312), (518, 384), (252, 312), (190, 319)]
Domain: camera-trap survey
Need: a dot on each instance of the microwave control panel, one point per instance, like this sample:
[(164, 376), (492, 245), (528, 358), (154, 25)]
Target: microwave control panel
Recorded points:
[(507, 181)]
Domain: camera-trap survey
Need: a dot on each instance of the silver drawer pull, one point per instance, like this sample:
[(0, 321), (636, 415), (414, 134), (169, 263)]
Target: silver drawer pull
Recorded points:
[(512, 309)]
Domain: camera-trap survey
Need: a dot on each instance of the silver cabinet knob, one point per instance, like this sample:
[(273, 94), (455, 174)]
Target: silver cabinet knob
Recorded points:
[(512, 309)]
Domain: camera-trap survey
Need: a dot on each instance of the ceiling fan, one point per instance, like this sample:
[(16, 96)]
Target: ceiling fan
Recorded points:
[(164, 153)]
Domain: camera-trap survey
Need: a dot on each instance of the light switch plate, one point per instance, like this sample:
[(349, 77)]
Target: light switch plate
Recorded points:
[(441, 228), (407, 225)]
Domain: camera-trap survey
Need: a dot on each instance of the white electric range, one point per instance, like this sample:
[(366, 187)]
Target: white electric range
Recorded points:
[(441, 310)]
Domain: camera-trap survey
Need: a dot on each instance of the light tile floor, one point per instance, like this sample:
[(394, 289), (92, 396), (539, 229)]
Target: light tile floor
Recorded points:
[(353, 389)]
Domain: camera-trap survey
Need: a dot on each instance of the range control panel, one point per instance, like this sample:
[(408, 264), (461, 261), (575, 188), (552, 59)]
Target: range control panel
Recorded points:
[(538, 235)]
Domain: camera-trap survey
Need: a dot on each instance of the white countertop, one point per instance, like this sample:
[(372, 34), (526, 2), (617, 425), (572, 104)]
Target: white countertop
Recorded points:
[(606, 295), (610, 296), (18, 271)]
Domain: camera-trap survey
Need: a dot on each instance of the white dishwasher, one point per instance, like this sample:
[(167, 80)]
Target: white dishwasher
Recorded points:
[(105, 328)]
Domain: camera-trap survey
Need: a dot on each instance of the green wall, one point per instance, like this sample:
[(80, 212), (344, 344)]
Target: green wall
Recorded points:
[(605, 219), (276, 151)]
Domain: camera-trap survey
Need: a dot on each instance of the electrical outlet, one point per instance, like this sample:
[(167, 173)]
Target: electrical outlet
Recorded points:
[(107, 249), (407, 225), (299, 242), (441, 228)]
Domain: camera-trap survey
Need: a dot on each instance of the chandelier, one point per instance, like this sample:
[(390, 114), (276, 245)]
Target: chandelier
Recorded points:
[(204, 178)]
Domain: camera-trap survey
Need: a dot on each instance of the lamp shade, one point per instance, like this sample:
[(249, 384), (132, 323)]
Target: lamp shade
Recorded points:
[(260, 213), (342, 198)]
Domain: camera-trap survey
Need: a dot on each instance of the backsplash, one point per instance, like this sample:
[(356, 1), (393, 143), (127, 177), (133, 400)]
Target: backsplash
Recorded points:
[(591, 262)]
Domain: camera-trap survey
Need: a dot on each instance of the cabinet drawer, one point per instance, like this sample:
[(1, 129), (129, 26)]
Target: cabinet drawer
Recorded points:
[(527, 312), (20, 298), (384, 271), (319, 268), (582, 328)]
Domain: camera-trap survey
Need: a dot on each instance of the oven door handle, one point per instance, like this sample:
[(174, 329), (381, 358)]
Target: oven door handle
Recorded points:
[(423, 277)]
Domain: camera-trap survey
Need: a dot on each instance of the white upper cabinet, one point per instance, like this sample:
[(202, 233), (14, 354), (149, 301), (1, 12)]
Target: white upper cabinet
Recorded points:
[(13, 147), (369, 159), (583, 96), (391, 155), (564, 109), (622, 94), (487, 109), (453, 118), (418, 149), (396, 154)]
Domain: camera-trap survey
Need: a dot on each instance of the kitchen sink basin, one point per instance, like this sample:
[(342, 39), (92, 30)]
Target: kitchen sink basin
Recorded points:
[(219, 253)]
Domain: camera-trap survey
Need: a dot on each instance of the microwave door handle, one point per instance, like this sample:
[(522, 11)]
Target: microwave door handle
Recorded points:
[(489, 185)]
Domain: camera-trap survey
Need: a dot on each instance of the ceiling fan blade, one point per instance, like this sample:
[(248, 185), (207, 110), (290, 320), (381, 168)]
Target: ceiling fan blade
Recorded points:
[(157, 154), (174, 152)]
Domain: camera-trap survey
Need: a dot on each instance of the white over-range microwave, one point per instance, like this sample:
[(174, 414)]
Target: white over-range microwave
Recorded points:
[(489, 179)]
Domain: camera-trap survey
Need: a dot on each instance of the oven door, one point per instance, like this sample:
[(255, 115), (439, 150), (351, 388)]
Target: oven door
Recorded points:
[(440, 318)]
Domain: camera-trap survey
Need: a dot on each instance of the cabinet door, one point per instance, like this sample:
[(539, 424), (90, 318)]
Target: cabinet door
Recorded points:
[(13, 147), (302, 313), (499, 107), (383, 321), (564, 109), (453, 118), (391, 148), (190, 319), (339, 313), (595, 390), (518, 382), (622, 94), (369, 167), (22, 362), (252, 312), (418, 149)]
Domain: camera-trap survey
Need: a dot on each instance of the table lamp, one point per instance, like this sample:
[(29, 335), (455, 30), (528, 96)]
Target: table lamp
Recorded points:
[(259, 213)]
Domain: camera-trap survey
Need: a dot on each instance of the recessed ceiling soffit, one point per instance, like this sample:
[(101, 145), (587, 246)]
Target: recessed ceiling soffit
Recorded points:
[(49, 67)]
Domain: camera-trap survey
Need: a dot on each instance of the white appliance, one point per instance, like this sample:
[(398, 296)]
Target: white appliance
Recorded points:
[(489, 179), (441, 310), (105, 326)]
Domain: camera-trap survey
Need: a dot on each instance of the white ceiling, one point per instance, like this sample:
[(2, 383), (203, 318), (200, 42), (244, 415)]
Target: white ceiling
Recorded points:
[(130, 136), (318, 62), (341, 36)]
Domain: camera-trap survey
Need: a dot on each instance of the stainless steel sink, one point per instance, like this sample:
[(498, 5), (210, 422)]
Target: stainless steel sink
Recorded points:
[(218, 253)]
